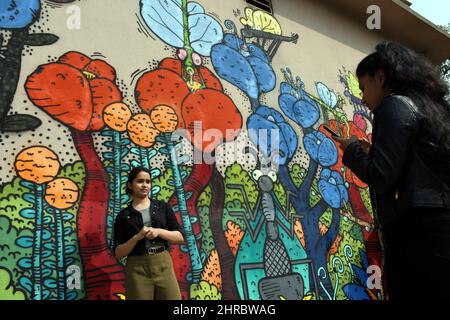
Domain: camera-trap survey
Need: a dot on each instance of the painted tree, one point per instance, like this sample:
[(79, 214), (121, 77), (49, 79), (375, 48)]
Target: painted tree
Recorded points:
[(116, 117), (74, 91), (304, 109), (37, 166), (61, 194)]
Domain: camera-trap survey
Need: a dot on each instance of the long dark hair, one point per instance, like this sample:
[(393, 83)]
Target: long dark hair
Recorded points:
[(132, 175), (413, 75)]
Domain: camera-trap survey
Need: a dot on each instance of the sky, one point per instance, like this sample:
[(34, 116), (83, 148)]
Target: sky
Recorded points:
[(437, 11)]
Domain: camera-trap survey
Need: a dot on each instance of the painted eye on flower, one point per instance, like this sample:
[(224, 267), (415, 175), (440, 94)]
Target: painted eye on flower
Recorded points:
[(181, 54), (196, 59), (257, 174), (272, 175)]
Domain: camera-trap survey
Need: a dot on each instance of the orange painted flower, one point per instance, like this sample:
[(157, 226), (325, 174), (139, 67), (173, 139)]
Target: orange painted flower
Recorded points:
[(37, 164), (62, 193), (164, 118), (116, 116), (141, 130)]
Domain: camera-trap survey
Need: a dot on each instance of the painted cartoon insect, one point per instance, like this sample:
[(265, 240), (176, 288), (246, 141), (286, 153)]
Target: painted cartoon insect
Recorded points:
[(278, 271)]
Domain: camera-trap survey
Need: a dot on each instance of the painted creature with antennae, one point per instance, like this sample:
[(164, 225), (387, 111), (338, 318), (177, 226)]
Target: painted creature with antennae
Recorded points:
[(281, 268)]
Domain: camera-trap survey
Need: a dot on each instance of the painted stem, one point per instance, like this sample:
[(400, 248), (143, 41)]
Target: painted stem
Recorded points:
[(103, 274), (37, 242), (59, 222), (254, 103), (194, 254), (117, 184), (144, 158), (286, 180), (195, 183), (305, 187), (326, 119), (188, 63), (316, 246)]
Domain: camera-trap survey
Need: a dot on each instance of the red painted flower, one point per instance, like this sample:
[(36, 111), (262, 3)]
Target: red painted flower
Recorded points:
[(198, 99), (74, 90)]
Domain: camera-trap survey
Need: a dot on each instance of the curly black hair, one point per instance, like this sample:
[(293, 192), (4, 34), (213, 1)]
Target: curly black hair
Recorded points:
[(413, 75)]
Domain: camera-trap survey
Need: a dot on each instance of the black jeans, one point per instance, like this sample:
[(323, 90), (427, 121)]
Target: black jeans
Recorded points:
[(417, 252)]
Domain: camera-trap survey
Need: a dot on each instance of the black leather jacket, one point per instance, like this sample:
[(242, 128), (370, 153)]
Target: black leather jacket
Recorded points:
[(406, 167)]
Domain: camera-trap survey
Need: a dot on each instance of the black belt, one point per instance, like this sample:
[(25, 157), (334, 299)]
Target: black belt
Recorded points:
[(154, 250)]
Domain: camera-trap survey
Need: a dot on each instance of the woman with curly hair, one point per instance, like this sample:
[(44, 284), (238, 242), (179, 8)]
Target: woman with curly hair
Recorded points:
[(407, 168)]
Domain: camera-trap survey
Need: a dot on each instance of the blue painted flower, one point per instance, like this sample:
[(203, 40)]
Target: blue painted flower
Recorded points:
[(245, 66), (320, 148), (359, 290), (295, 103), (305, 111), (270, 133), (16, 14), (332, 189)]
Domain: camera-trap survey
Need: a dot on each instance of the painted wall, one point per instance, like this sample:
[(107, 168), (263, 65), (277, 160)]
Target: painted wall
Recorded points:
[(90, 89)]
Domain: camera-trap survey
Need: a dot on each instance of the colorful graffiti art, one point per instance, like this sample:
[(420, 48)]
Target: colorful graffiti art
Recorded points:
[(282, 230)]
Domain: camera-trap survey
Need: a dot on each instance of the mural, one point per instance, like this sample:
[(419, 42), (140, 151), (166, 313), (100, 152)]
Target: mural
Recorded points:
[(282, 230)]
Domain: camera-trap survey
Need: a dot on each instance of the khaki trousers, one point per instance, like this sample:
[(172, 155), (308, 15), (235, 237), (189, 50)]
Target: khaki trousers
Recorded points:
[(151, 277)]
